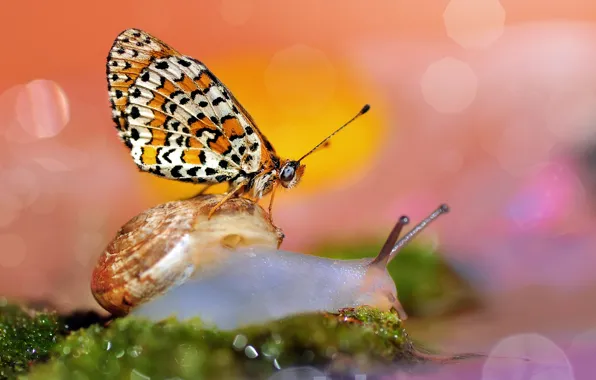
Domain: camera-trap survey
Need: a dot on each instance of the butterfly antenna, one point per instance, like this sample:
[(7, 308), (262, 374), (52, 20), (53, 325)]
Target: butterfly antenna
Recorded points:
[(362, 112)]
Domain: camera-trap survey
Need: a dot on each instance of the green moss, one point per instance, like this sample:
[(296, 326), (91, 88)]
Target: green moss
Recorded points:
[(25, 337), (132, 348), (427, 285)]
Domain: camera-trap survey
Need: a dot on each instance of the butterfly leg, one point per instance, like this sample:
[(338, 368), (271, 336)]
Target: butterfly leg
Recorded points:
[(271, 201), (229, 195)]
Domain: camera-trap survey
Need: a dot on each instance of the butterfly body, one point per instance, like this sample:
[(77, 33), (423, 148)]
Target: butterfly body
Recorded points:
[(181, 122)]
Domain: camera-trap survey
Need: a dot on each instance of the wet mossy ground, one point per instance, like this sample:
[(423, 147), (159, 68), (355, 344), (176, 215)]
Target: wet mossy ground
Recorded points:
[(353, 341), (44, 345), (25, 338)]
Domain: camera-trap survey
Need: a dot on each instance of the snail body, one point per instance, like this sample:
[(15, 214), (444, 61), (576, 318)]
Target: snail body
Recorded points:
[(228, 271), (256, 285)]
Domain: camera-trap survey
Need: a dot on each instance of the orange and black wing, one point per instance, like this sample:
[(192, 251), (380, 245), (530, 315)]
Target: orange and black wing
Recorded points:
[(177, 118)]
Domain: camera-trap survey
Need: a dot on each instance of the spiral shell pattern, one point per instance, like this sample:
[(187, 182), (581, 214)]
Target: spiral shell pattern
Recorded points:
[(164, 245)]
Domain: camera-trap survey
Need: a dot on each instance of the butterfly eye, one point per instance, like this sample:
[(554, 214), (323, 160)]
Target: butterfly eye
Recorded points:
[(287, 173)]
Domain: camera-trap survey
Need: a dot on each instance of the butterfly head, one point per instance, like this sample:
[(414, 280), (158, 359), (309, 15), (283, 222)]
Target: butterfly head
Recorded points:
[(290, 173)]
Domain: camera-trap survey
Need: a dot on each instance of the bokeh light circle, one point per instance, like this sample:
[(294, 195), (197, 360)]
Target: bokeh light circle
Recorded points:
[(42, 108), (449, 85), (14, 250), (474, 23), (525, 357), (551, 193)]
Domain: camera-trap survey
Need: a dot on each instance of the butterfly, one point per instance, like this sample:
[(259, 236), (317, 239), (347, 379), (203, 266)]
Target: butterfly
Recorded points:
[(180, 122)]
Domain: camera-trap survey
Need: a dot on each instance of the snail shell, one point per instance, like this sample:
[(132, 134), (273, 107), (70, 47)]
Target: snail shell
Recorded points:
[(166, 244)]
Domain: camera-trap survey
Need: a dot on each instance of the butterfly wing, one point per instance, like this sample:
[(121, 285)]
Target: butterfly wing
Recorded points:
[(177, 118), (131, 53)]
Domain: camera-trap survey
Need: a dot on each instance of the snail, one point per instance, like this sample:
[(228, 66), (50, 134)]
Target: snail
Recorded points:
[(171, 260)]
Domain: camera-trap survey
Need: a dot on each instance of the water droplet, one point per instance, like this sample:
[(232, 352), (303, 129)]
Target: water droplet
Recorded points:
[(250, 352), (134, 351), (276, 364), (239, 342), (276, 338), (271, 349)]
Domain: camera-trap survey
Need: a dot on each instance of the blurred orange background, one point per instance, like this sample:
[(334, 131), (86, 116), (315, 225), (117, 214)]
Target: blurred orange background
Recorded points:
[(489, 106)]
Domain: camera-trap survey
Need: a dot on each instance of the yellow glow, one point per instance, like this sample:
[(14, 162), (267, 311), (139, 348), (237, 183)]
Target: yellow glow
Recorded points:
[(282, 94)]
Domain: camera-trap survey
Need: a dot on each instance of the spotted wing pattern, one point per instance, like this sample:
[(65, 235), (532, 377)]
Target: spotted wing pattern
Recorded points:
[(131, 53), (177, 118)]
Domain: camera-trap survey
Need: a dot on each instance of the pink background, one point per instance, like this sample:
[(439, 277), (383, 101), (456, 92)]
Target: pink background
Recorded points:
[(484, 105)]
